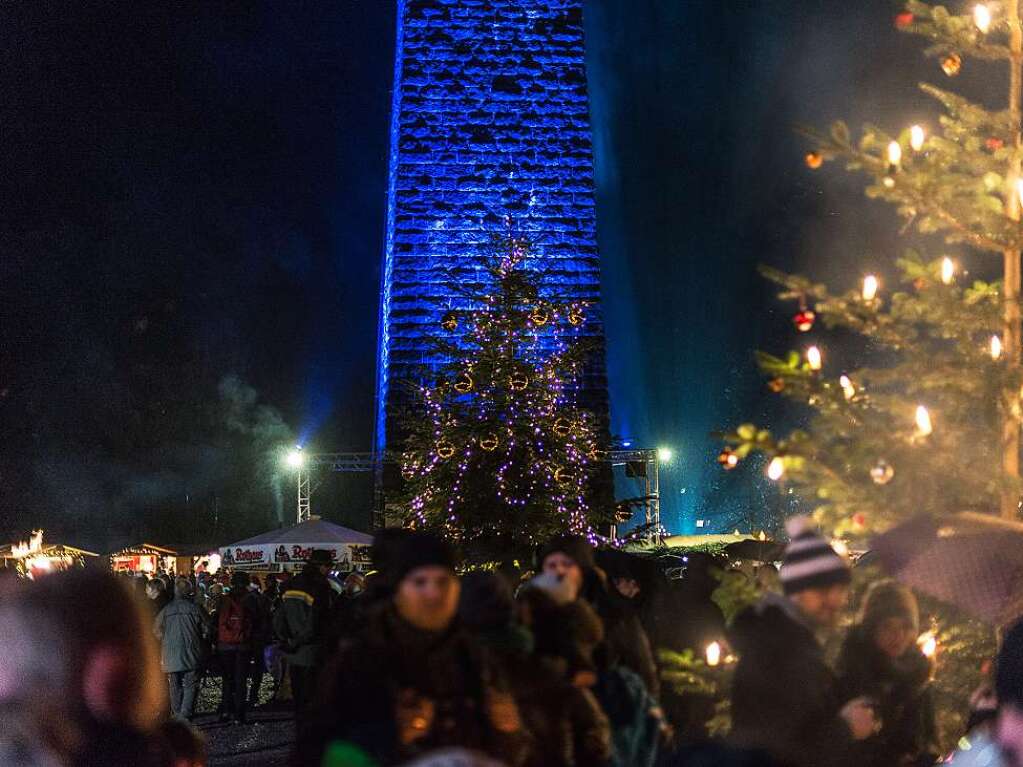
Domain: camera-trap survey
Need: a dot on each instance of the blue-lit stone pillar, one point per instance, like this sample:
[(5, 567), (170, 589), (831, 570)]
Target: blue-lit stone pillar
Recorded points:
[(490, 122)]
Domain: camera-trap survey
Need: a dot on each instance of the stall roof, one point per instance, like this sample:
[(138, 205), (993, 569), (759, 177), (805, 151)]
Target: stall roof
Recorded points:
[(144, 548), (49, 550), (312, 531)]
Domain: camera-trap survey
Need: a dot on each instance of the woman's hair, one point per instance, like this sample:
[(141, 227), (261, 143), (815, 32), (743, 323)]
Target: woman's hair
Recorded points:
[(888, 599)]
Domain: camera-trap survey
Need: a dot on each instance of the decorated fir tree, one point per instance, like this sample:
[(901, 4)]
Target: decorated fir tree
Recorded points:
[(499, 455), (918, 410)]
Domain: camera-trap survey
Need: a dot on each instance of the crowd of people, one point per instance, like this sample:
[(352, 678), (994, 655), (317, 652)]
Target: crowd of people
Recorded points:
[(418, 664)]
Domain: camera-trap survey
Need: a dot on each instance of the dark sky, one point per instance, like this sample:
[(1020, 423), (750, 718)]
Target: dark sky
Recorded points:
[(191, 230)]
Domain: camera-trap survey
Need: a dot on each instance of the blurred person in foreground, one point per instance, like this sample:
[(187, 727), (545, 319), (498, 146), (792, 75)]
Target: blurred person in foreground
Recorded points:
[(785, 700), (411, 681), (183, 629), (880, 660), (1009, 693), (79, 678)]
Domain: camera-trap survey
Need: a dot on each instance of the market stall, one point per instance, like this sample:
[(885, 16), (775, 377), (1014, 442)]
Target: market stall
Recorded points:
[(144, 558), (289, 547), (33, 557)]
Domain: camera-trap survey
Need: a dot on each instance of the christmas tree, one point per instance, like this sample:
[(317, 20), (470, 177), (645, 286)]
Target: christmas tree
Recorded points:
[(499, 455), (919, 410)]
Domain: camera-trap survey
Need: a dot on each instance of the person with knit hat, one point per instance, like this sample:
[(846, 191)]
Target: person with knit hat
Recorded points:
[(412, 681), (785, 700), (570, 558), (880, 660)]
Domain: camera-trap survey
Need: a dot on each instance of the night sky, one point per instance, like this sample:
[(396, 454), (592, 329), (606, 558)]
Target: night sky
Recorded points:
[(192, 228)]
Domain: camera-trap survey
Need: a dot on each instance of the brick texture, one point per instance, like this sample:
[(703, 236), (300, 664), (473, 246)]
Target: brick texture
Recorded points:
[(490, 123)]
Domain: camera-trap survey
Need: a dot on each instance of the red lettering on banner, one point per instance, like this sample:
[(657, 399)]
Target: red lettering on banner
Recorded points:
[(298, 552), (248, 555)]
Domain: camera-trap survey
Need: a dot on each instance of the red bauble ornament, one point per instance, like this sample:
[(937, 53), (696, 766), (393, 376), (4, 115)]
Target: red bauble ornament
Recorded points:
[(993, 144), (804, 320), (858, 520), (777, 385), (814, 160), (903, 20)]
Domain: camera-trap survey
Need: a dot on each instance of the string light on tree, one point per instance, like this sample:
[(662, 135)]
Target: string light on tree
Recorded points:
[(923, 421), (982, 17), (948, 270), (916, 137), (814, 358), (848, 390), (894, 154), (870, 287), (995, 348)]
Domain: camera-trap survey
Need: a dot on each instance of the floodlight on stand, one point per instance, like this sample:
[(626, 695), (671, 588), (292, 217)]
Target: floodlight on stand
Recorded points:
[(295, 459)]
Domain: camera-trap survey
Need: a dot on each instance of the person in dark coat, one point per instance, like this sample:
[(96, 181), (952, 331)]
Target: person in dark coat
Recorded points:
[(412, 682), (301, 623), (182, 628), (880, 660), (785, 699), (570, 558), (237, 617), (566, 722)]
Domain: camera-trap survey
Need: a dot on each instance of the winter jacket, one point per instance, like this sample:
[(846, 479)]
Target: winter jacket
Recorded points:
[(568, 726), (625, 640), (182, 628), (903, 691), (630, 708), (785, 700), (398, 692), (301, 621)]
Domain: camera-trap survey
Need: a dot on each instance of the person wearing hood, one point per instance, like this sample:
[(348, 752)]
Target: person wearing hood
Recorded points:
[(302, 622), (785, 700), (880, 660), (565, 720), (570, 558), (411, 681)]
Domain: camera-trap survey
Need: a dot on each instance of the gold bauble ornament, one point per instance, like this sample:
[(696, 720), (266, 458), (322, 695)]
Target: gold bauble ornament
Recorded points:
[(951, 64), (449, 321), (563, 474), (882, 472), (464, 383), (445, 449)]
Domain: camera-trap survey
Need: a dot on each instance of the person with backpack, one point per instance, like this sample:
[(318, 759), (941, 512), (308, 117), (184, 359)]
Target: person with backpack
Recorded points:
[(236, 620)]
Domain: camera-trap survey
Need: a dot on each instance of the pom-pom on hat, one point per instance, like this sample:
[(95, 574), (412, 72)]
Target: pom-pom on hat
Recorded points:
[(809, 561)]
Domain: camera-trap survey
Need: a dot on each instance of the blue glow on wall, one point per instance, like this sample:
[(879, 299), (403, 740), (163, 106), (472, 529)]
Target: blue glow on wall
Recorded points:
[(490, 123)]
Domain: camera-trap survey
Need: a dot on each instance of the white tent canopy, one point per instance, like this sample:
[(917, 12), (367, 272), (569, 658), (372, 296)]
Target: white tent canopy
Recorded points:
[(289, 547)]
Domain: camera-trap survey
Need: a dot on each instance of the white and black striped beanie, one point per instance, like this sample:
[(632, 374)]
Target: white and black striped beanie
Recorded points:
[(809, 561)]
